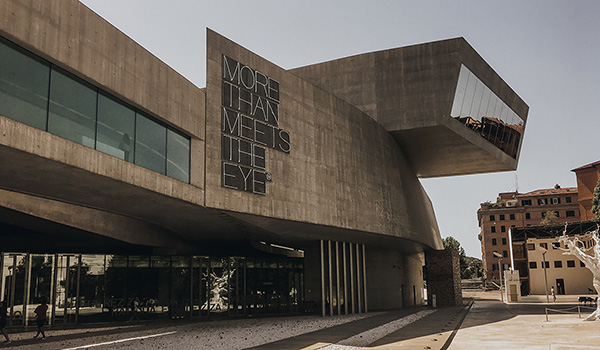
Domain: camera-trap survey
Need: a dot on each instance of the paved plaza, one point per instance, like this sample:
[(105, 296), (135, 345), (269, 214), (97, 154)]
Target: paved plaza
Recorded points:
[(483, 322)]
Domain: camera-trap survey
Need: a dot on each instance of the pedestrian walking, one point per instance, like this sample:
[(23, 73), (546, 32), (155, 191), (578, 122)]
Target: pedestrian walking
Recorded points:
[(3, 319), (135, 309), (40, 317), (553, 294)]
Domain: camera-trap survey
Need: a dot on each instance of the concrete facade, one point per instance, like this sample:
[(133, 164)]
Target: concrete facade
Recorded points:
[(410, 91), (349, 178)]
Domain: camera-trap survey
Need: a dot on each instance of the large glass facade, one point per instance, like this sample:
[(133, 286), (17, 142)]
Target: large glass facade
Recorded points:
[(24, 82), (150, 144), (477, 107), (72, 112), (82, 288), (34, 92), (116, 128)]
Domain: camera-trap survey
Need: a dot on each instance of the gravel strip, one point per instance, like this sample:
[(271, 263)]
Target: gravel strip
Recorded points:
[(365, 338)]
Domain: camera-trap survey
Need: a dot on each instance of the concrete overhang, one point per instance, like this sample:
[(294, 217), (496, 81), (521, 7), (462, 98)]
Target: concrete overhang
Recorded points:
[(85, 211), (410, 91)]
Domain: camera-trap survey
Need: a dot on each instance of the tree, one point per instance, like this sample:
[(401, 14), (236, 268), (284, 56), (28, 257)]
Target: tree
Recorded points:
[(549, 218), (469, 267), (451, 243), (596, 201)]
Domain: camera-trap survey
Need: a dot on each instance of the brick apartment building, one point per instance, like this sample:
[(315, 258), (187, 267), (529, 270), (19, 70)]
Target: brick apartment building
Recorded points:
[(587, 178), (513, 209)]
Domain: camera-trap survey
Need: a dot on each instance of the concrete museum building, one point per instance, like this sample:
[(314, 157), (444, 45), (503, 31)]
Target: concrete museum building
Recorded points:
[(268, 191)]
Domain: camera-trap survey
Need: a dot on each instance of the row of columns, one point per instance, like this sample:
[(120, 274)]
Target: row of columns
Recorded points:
[(343, 278)]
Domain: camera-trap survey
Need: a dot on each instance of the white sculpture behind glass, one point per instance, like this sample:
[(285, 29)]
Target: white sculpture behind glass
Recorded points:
[(574, 246)]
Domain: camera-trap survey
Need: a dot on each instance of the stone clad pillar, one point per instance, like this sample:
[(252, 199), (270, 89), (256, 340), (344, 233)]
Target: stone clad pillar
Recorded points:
[(443, 277)]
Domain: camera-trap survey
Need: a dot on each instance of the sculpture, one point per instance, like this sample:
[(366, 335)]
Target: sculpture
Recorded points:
[(574, 246)]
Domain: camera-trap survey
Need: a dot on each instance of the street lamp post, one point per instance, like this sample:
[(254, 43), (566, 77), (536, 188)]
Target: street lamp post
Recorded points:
[(499, 256)]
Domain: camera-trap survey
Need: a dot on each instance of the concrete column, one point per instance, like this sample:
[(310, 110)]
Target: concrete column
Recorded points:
[(365, 278), (330, 279), (337, 277), (322, 279), (345, 278), (351, 251), (358, 273)]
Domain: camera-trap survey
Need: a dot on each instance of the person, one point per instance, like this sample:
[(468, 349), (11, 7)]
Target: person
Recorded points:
[(135, 308), (3, 319), (40, 317), (553, 294)]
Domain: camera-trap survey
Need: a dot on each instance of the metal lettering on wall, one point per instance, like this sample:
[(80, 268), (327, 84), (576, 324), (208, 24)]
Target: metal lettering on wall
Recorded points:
[(249, 125)]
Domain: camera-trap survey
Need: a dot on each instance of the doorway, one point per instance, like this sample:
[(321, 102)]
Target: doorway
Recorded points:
[(560, 286)]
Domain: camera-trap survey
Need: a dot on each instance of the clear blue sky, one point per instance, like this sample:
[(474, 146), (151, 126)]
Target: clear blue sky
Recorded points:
[(548, 51)]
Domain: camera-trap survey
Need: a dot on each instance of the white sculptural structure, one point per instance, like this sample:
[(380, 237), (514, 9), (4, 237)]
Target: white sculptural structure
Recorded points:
[(574, 246)]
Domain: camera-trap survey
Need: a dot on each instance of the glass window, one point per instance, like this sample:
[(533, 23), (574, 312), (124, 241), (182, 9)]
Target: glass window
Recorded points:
[(493, 229), (478, 108), (527, 216), (530, 246), (178, 156), (150, 144), (558, 264), (492, 218), (116, 127), (23, 86), (570, 213), (544, 245), (570, 263), (494, 242), (505, 253), (502, 228), (72, 113), (568, 199), (502, 217), (512, 216), (525, 202), (503, 241), (533, 265)]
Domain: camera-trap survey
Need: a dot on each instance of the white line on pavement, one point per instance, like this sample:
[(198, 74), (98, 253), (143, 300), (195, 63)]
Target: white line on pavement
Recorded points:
[(120, 341)]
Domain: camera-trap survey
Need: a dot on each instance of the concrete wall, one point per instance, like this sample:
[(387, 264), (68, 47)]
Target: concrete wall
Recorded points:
[(394, 280), (344, 170), (73, 37)]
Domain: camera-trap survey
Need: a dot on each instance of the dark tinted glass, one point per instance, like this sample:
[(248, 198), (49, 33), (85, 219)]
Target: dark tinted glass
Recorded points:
[(23, 87), (72, 113), (116, 127), (178, 156), (150, 145)]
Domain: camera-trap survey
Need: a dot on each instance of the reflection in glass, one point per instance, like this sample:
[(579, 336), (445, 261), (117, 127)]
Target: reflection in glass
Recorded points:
[(477, 107), (91, 288), (23, 87), (72, 113), (116, 123), (150, 144), (178, 156), (82, 113)]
